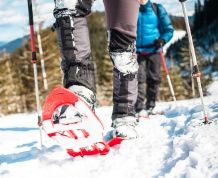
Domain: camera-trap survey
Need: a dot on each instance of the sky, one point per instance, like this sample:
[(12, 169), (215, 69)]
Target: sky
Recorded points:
[(173, 145), (14, 15)]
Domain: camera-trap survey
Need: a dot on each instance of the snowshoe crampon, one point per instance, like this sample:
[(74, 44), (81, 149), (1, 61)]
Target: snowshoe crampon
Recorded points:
[(68, 120)]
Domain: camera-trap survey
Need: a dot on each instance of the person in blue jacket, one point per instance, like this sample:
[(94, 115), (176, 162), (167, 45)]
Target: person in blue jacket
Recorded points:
[(154, 30)]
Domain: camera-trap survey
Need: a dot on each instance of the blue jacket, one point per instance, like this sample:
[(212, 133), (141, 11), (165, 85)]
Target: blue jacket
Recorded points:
[(151, 27)]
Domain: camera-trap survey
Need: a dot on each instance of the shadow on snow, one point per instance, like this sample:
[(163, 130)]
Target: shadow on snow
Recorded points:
[(19, 129), (33, 153)]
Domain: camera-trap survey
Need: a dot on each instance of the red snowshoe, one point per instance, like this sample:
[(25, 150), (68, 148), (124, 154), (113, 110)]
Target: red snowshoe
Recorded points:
[(67, 119)]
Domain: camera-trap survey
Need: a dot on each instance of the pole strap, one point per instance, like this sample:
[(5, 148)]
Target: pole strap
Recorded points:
[(196, 72)]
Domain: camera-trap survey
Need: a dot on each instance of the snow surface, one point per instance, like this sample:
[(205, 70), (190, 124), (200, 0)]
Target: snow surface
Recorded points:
[(174, 145), (177, 35)]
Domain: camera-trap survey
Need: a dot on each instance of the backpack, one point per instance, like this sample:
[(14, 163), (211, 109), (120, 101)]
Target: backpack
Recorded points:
[(155, 9)]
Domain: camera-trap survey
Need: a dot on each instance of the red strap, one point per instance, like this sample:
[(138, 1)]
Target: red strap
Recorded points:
[(52, 134), (115, 141), (85, 133), (72, 134)]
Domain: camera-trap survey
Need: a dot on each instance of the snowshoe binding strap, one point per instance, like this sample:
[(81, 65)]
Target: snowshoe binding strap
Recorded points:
[(57, 117)]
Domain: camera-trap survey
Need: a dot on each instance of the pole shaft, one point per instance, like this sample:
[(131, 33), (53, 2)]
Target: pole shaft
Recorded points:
[(189, 34), (37, 99), (167, 75), (171, 87), (194, 59), (192, 79), (34, 60), (42, 60), (45, 82)]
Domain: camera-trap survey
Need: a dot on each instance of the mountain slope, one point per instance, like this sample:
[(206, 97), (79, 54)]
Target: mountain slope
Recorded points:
[(2, 43), (13, 45)]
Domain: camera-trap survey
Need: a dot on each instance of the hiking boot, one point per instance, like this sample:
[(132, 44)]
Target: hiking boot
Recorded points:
[(153, 111), (86, 94), (143, 114), (150, 111), (125, 127)]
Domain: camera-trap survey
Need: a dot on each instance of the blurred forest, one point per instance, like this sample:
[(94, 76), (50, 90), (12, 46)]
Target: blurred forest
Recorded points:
[(205, 38), (17, 81)]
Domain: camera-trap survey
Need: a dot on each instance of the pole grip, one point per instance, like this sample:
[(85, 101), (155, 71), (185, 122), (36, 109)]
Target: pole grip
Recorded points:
[(32, 33), (164, 62)]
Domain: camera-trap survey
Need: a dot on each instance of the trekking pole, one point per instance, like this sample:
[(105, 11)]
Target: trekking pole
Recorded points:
[(196, 72), (42, 61), (192, 79), (45, 82), (167, 75), (34, 60)]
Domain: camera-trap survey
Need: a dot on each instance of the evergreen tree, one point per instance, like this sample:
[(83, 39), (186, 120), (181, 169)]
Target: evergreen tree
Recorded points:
[(198, 15)]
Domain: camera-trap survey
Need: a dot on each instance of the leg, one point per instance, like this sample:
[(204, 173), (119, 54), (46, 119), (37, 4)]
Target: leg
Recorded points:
[(121, 22), (124, 78), (140, 103), (153, 79), (74, 43), (125, 90), (122, 15)]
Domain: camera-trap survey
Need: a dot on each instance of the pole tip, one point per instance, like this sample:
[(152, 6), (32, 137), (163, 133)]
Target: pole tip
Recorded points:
[(206, 120)]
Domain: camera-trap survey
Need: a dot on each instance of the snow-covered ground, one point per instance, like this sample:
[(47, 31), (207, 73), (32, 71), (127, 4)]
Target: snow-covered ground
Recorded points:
[(177, 35), (174, 145)]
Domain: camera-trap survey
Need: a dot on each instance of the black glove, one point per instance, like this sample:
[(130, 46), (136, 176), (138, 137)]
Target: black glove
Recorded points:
[(159, 43), (182, 0)]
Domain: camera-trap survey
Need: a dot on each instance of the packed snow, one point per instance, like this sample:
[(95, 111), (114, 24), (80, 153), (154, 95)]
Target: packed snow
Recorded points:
[(172, 145)]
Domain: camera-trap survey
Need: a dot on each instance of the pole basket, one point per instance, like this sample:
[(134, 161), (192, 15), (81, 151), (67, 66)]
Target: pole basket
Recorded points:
[(206, 121)]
